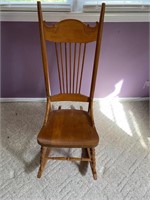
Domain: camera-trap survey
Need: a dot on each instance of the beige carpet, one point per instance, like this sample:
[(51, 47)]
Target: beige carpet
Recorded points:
[(123, 156)]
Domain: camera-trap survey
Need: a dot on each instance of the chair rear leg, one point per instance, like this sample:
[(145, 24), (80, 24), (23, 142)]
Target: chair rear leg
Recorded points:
[(44, 153), (93, 163)]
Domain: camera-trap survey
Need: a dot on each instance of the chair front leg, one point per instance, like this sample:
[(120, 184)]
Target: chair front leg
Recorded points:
[(44, 152), (93, 163)]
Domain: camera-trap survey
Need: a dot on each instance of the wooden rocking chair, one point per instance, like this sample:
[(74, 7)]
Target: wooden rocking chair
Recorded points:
[(69, 128)]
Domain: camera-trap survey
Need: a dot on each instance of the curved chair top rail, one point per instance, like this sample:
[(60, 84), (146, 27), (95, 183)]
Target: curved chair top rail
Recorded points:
[(70, 30)]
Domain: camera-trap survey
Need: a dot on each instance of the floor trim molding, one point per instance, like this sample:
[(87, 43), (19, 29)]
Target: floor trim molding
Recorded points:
[(13, 100)]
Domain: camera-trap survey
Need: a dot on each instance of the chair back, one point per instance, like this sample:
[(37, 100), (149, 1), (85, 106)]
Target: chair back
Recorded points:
[(70, 38)]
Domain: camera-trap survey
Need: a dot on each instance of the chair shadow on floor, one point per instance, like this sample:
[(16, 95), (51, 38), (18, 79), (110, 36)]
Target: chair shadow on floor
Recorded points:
[(33, 164), (83, 166), (16, 132), (8, 140)]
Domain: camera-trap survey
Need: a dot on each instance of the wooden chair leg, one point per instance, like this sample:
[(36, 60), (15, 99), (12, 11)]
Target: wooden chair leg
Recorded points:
[(44, 153), (93, 163)]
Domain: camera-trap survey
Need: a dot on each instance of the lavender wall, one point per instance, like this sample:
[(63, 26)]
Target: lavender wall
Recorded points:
[(124, 64)]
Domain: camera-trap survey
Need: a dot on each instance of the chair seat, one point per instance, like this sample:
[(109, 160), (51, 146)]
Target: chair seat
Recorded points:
[(68, 128)]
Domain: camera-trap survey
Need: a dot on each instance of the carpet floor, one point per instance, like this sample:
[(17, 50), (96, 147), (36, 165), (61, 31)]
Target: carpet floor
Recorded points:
[(122, 156)]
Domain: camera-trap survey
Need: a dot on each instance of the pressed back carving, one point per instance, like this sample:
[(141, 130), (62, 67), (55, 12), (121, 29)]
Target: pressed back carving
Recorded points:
[(70, 30)]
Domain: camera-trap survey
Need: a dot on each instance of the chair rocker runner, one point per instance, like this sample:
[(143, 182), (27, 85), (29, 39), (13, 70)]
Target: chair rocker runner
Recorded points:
[(69, 128)]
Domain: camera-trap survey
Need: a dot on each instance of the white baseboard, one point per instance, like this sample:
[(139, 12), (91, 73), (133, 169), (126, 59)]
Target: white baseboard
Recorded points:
[(123, 99), (11, 100)]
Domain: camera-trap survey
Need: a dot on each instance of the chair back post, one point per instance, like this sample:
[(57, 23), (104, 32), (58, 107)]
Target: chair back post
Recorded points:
[(97, 54), (43, 49)]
